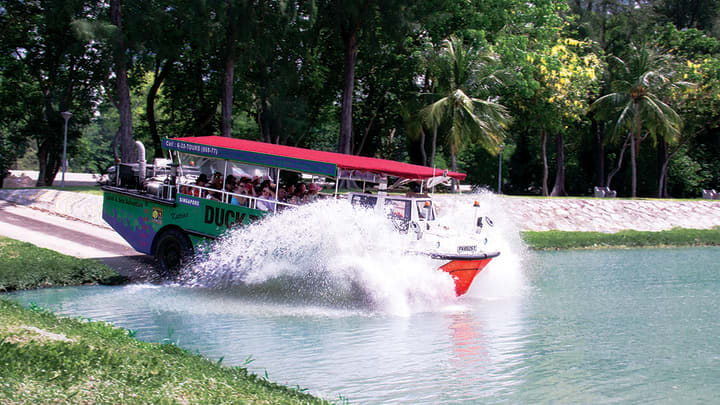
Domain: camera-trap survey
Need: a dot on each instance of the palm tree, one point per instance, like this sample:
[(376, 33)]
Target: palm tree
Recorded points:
[(635, 104), (468, 119)]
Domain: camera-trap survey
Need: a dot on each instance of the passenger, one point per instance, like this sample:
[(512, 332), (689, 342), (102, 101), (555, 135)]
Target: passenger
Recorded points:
[(190, 190), (246, 182), (313, 190), (282, 194), (301, 194), (216, 181), (264, 203), (239, 199), (229, 187), (217, 184), (201, 181)]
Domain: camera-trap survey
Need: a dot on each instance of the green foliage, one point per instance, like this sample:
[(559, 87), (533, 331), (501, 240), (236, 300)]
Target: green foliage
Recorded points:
[(550, 57), (463, 109), (578, 240), (24, 266)]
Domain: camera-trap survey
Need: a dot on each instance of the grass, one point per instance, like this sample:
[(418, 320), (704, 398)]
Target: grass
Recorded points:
[(580, 240), (48, 359), (24, 266)]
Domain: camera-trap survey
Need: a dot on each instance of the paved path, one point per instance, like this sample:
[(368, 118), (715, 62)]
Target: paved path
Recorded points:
[(73, 237)]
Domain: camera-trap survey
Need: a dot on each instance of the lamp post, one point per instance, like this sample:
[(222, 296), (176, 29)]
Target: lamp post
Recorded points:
[(500, 169), (66, 115)]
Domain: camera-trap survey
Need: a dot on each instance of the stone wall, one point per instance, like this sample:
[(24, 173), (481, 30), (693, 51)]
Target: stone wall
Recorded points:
[(611, 215)]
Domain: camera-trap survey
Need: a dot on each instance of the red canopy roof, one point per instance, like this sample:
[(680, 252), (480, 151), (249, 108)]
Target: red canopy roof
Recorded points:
[(341, 161)]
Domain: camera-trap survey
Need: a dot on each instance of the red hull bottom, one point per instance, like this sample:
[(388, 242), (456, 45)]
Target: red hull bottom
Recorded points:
[(463, 272)]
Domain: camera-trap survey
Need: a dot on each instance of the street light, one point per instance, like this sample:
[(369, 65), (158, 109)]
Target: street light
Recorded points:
[(66, 115), (500, 169)]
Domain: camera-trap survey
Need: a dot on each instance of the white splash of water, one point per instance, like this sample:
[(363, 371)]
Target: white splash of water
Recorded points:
[(330, 253)]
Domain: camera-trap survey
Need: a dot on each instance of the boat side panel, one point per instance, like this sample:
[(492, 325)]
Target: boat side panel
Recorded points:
[(139, 220)]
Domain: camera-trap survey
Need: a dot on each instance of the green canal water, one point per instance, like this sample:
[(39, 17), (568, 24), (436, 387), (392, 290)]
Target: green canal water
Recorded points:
[(610, 326)]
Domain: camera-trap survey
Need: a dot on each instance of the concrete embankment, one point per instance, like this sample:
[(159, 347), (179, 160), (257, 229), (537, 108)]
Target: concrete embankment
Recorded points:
[(73, 205), (529, 214), (70, 223), (611, 215)]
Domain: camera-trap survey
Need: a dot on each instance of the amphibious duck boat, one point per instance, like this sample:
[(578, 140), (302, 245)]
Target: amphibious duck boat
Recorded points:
[(162, 209)]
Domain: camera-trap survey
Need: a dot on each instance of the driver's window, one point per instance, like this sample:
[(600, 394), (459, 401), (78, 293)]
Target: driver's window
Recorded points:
[(424, 211)]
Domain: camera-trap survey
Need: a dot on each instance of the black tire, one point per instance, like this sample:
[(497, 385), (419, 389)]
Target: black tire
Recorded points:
[(173, 250)]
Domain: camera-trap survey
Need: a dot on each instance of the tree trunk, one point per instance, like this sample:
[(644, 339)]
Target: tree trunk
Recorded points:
[(160, 75), (367, 132), (123, 89), (453, 166), (264, 121), (49, 162), (662, 183), (559, 186), (662, 168), (423, 153), (351, 50), (598, 154), (433, 147), (228, 72), (543, 144), (619, 161), (633, 153)]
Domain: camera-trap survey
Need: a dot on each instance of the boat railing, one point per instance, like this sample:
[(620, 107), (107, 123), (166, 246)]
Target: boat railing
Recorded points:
[(226, 196)]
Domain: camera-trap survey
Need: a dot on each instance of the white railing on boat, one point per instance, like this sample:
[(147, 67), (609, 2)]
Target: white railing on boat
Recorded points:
[(226, 196)]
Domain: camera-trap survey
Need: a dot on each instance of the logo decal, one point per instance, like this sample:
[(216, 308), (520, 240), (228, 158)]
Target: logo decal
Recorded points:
[(157, 215)]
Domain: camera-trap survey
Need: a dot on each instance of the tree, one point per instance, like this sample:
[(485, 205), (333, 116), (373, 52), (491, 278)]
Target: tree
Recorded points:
[(349, 19), (568, 74), (55, 71), (470, 119), (123, 137), (635, 103)]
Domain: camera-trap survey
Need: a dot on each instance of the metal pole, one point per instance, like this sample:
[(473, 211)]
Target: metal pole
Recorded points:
[(66, 115), (500, 169)]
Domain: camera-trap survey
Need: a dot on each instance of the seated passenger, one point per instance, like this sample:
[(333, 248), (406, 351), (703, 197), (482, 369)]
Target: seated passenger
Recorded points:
[(301, 194), (229, 187), (264, 203), (239, 199), (217, 184), (313, 190), (201, 181)]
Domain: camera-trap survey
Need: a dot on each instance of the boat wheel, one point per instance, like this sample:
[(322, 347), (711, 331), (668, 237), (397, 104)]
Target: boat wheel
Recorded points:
[(173, 250)]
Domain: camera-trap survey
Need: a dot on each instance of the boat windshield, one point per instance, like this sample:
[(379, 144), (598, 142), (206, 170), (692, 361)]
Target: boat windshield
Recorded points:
[(365, 201), (398, 209)]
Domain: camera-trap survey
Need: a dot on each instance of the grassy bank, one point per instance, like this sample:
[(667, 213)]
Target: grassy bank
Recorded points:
[(24, 266), (580, 240), (46, 359)]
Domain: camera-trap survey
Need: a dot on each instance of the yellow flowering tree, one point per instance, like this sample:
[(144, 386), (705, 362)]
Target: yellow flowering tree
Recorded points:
[(568, 74)]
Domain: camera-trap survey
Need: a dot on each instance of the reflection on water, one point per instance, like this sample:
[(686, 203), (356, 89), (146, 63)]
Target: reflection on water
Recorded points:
[(615, 326)]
